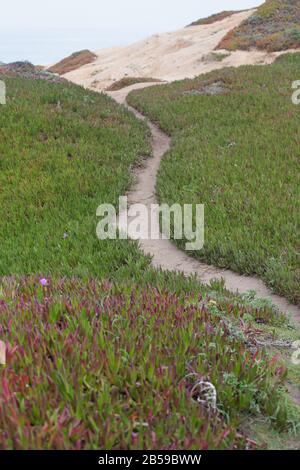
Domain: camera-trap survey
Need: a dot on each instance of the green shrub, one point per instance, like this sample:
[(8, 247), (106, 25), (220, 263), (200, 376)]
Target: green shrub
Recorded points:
[(277, 24)]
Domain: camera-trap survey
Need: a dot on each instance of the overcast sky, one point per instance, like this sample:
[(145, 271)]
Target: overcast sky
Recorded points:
[(46, 30)]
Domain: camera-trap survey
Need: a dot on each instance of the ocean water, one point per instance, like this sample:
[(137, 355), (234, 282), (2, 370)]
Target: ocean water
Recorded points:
[(48, 47)]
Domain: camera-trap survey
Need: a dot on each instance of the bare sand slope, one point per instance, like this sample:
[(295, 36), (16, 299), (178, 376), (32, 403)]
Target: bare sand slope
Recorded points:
[(185, 53)]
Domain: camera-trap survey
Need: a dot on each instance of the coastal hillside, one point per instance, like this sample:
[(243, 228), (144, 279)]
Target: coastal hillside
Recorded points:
[(176, 55), (225, 39), (116, 343)]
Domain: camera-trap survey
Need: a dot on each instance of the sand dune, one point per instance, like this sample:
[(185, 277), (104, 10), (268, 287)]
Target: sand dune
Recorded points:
[(185, 53)]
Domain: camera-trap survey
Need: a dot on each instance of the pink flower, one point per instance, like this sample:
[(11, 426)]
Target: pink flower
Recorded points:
[(43, 282)]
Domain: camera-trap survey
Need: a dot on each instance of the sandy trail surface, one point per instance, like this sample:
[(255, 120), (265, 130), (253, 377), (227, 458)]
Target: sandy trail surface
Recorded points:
[(166, 255), (181, 54)]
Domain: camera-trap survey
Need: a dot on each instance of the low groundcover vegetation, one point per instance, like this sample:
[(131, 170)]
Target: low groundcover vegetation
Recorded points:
[(63, 152), (235, 150), (95, 366), (102, 351)]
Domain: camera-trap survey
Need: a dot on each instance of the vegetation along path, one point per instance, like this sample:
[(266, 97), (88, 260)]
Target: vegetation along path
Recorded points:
[(166, 255)]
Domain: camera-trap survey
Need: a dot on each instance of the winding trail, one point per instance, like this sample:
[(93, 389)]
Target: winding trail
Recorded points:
[(166, 255)]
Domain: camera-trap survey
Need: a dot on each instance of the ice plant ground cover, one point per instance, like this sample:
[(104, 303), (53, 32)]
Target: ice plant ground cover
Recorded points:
[(63, 151), (97, 366), (92, 364), (236, 152)]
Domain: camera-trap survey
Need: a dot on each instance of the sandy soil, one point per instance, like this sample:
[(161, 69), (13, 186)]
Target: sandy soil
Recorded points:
[(166, 255), (185, 53)]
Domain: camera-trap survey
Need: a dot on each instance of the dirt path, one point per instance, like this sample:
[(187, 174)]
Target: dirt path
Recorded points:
[(164, 254)]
